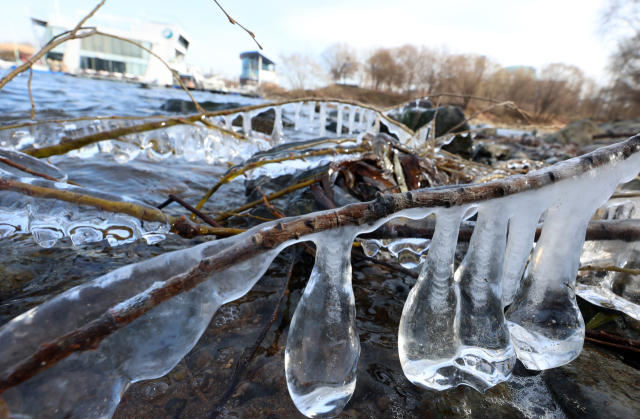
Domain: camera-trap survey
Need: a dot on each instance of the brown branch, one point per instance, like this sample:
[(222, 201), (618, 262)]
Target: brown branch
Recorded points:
[(54, 42), (263, 239), (33, 105), (234, 22), (243, 361), (204, 217), (609, 269)]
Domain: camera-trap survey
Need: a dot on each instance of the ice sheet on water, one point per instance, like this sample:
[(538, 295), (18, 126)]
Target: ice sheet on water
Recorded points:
[(31, 163), (49, 219)]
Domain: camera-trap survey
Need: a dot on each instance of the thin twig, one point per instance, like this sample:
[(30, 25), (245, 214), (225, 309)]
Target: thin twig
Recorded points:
[(476, 114), (228, 177), (33, 105), (386, 264), (234, 22), (609, 269), (27, 170), (206, 218), (274, 195), (54, 42), (243, 361)]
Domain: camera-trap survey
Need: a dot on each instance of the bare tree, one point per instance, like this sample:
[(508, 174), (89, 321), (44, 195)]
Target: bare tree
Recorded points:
[(558, 88), (383, 69), (408, 58), (341, 61), (301, 71), (469, 74)]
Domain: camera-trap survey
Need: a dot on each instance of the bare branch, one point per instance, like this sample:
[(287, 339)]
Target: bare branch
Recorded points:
[(234, 22)]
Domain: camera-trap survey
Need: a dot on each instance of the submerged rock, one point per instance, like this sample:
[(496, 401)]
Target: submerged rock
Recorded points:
[(580, 132), (186, 106), (594, 386), (447, 118)]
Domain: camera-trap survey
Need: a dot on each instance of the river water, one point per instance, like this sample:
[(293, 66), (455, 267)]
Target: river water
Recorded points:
[(30, 275)]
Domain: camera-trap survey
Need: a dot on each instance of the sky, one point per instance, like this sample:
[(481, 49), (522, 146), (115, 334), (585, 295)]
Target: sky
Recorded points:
[(512, 32)]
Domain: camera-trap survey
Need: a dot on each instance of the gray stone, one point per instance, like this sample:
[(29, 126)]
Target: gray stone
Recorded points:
[(447, 118), (580, 132), (595, 386)]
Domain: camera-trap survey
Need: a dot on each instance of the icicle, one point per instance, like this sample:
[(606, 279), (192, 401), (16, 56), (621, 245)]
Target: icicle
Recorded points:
[(323, 345), (427, 335), (323, 119), (228, 121), (312, 113), (339, 123), (522, 229), (352, 118), (486, 356), (277, 136), (246, 123), (403, 136), (296, 120)]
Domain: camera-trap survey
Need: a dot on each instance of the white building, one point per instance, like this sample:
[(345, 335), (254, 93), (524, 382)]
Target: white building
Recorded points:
[(109, 57), (257, 69)]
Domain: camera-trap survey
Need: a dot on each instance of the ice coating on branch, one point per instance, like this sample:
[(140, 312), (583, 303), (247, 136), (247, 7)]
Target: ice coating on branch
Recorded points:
[(89, 384), (323, 345), (51, 218), (31, 163), (410, 252)]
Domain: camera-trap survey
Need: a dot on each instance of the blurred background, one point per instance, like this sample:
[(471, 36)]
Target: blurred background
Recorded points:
[(561, 60)]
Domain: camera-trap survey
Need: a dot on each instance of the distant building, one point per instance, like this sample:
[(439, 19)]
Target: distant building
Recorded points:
[(257, 69), (104, 56)]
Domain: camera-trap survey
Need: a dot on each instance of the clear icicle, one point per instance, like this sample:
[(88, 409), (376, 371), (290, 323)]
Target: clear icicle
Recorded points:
[(277, 135), (322, 131), (296, 118), (486, 356), (339, 123), (352, 118), (312, 113), (228, 121), (323, 345), (522, 229), (427, 335), (246, 123)]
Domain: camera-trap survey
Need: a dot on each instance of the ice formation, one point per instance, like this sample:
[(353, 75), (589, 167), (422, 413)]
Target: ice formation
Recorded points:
[(452, 331), (323, 345), (613, 290), (49, 219)]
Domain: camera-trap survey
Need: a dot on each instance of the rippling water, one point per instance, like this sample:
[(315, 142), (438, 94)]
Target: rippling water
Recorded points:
[(29, 275)]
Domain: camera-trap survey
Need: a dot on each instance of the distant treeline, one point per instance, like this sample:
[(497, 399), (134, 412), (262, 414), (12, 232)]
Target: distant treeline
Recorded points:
[(555, 90)]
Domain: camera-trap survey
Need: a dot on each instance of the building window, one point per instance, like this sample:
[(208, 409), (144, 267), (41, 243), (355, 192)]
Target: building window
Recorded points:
[(268, 67), (111, 66), (183, 42), (249, 69), (108, 45)]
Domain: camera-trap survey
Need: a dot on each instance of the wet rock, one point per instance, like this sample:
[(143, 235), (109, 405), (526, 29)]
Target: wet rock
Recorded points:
[(424, 104), (627, 126), (186, 106), (447, 118), (383, 403), (580, 132), (263, 122), (333, 126), (491, 151), (461, 145), (594, 386)]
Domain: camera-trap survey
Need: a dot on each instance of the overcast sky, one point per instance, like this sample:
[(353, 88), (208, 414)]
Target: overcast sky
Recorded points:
[(513, 32)]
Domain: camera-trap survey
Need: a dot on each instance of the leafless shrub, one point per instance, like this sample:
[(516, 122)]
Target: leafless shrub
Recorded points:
[(341, 61), (300, 70)]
